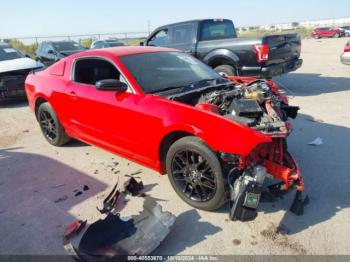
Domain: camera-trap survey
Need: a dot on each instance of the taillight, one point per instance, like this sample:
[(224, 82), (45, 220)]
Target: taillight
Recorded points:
[(347, 47), (262, 52)]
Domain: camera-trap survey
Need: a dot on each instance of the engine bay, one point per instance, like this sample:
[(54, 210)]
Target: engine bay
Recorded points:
[(257, 104)]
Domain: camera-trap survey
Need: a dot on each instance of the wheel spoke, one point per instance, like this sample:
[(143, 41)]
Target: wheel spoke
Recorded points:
[(206, 185), (193, 176)]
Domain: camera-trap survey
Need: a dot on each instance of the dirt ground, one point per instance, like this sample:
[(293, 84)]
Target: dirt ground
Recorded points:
[(38, 182)]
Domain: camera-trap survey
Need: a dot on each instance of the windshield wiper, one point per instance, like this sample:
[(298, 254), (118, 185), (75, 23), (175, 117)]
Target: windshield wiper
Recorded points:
[(187, 85)]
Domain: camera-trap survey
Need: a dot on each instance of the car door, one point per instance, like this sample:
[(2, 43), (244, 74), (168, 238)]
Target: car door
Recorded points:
[(104, 117)]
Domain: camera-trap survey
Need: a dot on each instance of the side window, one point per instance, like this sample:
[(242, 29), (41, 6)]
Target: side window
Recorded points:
[(89, 71), (47, 48), (159, 39), (182, 34)]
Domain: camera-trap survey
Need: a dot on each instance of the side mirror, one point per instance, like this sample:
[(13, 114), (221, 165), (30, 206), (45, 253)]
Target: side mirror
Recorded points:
[(142, 43), (51, 52), (111, 85)]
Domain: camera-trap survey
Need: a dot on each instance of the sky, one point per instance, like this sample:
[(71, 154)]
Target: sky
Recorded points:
[(21, 18)]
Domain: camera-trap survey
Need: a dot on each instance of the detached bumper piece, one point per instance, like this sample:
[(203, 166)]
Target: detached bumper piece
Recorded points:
[(106, 240)]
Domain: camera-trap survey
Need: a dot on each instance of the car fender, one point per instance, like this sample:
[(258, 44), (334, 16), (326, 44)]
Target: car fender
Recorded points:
[(217, 132), (221, 53)]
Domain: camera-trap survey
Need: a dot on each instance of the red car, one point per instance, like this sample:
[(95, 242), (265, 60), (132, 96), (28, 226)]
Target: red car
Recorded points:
[(216, 137), (327, 32)]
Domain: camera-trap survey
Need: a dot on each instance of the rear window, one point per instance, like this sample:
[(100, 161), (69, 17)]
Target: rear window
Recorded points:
[(216, 30), (9, 53)]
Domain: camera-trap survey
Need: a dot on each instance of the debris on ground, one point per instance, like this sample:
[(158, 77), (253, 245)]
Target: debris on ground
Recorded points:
[(61, 199), (139, 235), (316, 142), (110, 202), (86, 188), (57, 186), (136, 173), (78, 193), (74, 229), (133, 187)]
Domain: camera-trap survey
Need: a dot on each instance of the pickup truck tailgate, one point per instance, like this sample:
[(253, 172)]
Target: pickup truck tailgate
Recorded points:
[(283, 48)]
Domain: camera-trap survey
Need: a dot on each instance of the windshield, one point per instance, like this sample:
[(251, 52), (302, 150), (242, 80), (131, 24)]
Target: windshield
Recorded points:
[(156, 72), (216, 30), (9, 53), (67, 46)]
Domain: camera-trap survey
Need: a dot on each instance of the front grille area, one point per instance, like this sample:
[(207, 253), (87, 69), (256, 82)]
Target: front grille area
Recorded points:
[(12, 86)]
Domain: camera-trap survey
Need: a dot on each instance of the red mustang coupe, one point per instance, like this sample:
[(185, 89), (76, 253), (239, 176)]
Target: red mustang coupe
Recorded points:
[(217, 137)]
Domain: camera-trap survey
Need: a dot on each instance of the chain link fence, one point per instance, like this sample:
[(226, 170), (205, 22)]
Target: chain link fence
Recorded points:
[(29, 44)]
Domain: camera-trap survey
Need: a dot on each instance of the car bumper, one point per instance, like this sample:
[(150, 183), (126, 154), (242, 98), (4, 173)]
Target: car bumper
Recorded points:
[(12, 87), (272, 70), (345, 58)]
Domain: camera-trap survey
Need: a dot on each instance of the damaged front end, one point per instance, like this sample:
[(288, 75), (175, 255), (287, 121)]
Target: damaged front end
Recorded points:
[(261, 106), (267, 161)]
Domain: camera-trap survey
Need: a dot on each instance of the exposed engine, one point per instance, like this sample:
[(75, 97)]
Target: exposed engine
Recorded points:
[(255, 105), (260, 105)]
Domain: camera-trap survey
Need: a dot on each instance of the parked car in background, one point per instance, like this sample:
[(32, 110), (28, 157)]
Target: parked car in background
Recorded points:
[(106, 43), (215, 42), (345, 57), (49, 52), (14, 68), (346, 30), (167, 110), (327, 32)]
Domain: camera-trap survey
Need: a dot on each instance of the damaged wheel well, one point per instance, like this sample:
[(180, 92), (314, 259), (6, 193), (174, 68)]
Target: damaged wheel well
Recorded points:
[(38, 102), (166, 143)]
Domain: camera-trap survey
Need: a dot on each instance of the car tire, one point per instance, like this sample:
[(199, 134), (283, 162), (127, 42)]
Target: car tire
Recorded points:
[(337, 35), (226, 69), (50, 126), (207, 191)]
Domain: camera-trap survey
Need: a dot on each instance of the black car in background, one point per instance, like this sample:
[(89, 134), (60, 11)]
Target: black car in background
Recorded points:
[(49, 52)]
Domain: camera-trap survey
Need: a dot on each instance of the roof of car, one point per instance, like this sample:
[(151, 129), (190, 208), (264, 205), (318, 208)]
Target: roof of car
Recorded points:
[(130, 50)]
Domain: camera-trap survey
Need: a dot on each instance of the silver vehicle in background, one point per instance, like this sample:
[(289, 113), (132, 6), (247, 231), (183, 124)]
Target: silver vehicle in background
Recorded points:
[(345, 57), (98, 44)]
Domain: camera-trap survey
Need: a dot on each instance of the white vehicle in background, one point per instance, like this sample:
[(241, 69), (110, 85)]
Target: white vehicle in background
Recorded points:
[(14, 68), (346, 30), (98, 44)]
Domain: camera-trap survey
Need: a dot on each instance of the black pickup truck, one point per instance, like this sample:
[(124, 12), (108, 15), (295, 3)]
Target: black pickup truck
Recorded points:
[(215, 42)]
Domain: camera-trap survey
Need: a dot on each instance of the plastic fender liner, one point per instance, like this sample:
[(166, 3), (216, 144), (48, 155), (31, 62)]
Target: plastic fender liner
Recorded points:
[(139, 235)]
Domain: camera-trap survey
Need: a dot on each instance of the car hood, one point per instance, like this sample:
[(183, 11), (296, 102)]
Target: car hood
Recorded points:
[(19, 64)]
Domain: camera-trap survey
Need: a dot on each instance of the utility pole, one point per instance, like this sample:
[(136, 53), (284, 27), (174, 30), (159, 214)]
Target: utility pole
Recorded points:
[(149, 26)]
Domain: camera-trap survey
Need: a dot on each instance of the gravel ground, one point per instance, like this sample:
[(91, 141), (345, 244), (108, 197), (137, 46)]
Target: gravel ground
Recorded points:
[(34, 177)]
